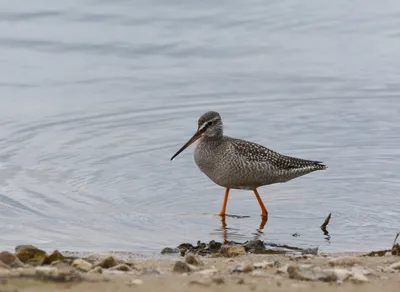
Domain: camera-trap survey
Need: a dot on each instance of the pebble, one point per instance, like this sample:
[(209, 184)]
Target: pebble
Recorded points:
[(243, 268), (193, 260), (96, 270), (395, 266), (121, 267), (182, 267), (358, 277), (232, 251), (136, 282), (208, 272), (82, 265), (344, 261), (106, 262), (199, 283), (264, 265)]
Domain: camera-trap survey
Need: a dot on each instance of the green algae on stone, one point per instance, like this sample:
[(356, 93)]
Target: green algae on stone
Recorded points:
[(55, 256), (29, 252)]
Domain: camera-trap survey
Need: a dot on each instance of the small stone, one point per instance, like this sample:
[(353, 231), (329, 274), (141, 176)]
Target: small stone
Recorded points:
[(258, 273), (96, 270), (264, 265), (254, 245), (218, 280), (169, 250), (181, 267), (10, 259), (240, 281), (232, 251), (244, 268), (193, 260), (121, 267), (55, 256), (395, 266), (82, 265), (136, 282), (283, 270), (344, 261), (358, 277), (107, 262)]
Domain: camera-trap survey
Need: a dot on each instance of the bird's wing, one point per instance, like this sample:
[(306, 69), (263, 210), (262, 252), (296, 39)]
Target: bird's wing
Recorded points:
[(258, 153)]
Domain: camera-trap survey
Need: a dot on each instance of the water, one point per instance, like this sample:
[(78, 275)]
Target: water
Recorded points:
[(96, 96)]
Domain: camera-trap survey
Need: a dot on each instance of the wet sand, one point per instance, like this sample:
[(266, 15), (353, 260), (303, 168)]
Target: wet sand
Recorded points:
[(248, 272)]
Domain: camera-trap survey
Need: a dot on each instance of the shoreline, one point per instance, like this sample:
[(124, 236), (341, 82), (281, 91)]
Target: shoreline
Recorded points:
[(232, 268)]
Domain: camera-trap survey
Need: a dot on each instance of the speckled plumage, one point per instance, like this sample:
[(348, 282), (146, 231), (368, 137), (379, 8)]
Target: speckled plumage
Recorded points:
[(239, 164)]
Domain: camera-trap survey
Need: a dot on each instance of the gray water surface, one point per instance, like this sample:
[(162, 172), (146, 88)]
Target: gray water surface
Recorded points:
[(96, 96)]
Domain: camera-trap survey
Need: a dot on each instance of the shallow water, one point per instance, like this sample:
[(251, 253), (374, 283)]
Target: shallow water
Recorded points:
[(96, 96)]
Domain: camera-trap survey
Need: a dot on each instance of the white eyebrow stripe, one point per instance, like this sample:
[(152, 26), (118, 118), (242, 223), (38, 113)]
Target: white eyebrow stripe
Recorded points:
[(205, 123)]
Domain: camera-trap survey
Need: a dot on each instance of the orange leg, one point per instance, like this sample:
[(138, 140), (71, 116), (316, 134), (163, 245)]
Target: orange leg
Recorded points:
[(222, 213), (263, 209)]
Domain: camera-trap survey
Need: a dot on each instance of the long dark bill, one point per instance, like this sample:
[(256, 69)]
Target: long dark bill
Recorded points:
[(196, 136)]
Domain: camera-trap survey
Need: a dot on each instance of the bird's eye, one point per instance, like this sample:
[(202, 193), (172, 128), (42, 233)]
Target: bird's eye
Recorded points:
[(210, 123)]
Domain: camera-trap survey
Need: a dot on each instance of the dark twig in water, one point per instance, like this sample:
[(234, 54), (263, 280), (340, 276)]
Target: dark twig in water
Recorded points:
[(326, 222), (395, 239)]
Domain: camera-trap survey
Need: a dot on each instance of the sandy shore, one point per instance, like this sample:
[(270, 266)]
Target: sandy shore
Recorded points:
[(234, 271)]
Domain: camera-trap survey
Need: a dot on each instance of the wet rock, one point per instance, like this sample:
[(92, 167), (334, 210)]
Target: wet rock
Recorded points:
[(169, 250), (10, 259), (254, 245), (395, 266), (264, 265), (121, 267), (193, 260), (344, 261), (55, 256), (107, 262), (181, 267), (96, 270), (232, 251), (243, 268), (310, 251), (29, 252), (82, 265), (213, 246)]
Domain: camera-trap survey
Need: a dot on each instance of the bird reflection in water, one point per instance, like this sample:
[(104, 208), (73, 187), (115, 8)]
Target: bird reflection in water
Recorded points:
[(231, 234)]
